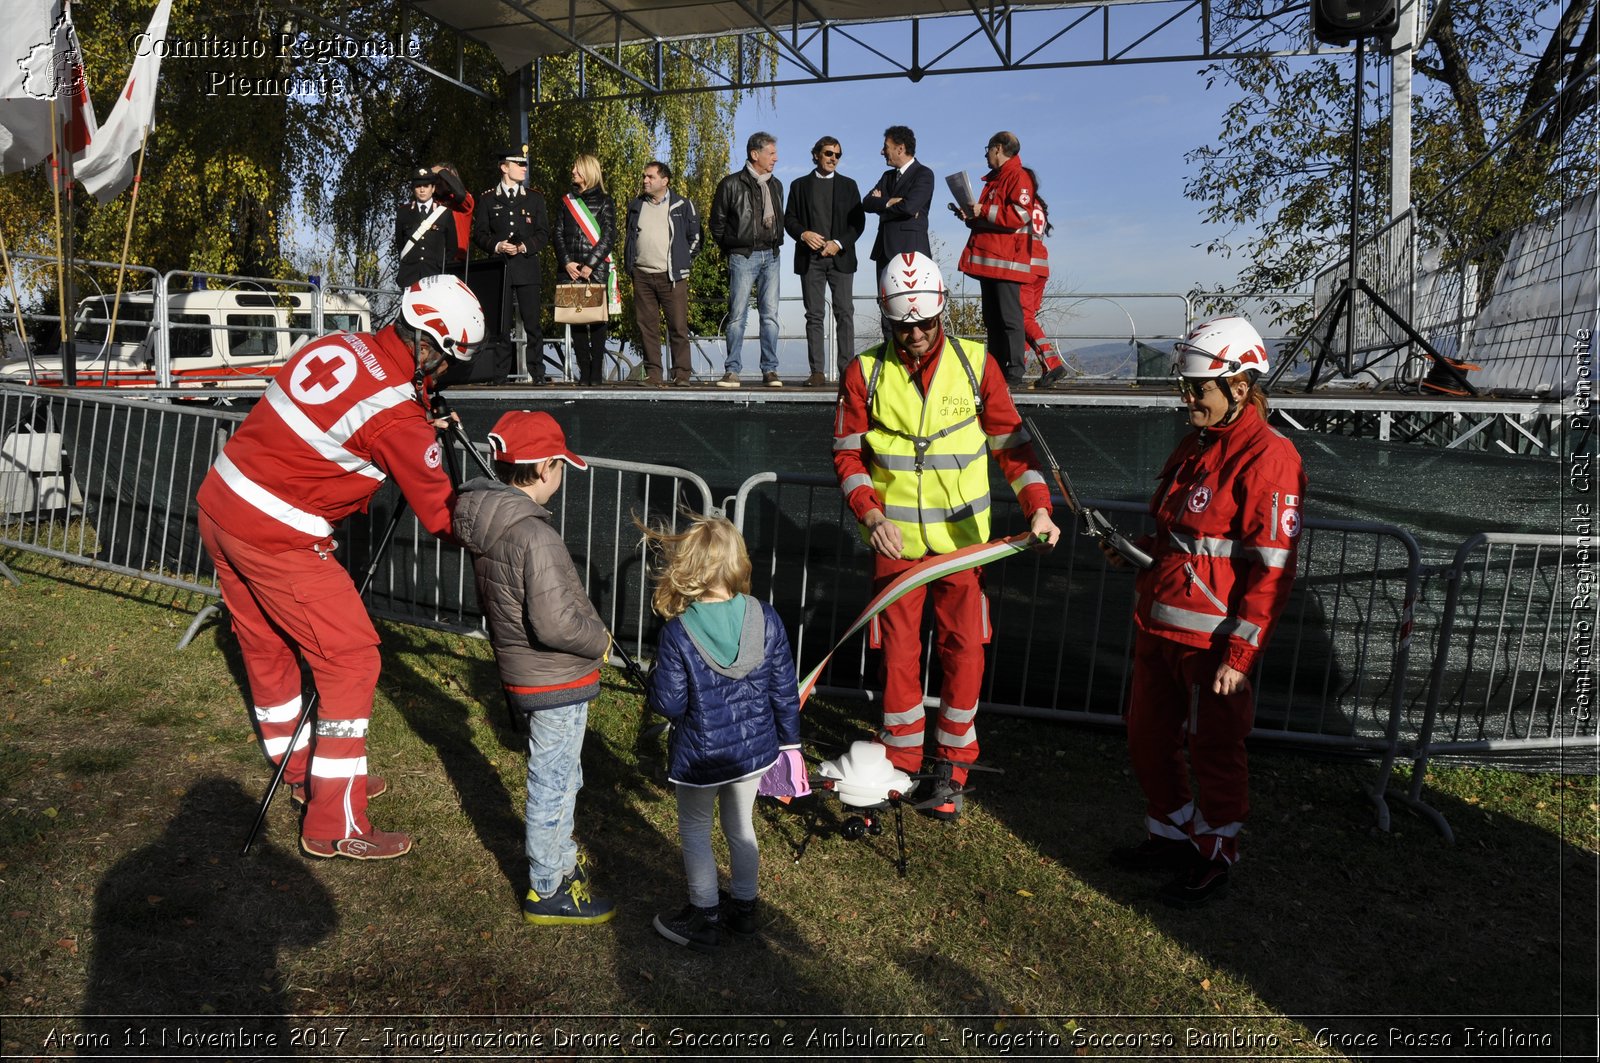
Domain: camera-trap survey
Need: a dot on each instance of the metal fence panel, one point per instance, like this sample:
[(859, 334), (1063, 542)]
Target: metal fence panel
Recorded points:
[(1335, 674), (1511, 672)]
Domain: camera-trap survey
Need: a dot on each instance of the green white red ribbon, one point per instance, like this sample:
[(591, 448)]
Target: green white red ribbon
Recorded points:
[(590, 227), (924, 572)]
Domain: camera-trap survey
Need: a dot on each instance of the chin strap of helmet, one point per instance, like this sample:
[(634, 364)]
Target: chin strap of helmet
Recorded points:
[(1235, 408)]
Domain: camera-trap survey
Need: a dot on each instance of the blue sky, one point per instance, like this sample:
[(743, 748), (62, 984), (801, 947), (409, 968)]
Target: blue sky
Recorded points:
[(1107, 143)]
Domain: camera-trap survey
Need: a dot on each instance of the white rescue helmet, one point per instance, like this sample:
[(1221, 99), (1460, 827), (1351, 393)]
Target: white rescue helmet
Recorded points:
[(911, 288), (1223, 346), (445, 309)]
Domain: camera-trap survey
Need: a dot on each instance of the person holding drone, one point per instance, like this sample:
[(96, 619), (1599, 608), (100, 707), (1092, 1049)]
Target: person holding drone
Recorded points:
[(347, 412), (916, 418), (1227, 517)]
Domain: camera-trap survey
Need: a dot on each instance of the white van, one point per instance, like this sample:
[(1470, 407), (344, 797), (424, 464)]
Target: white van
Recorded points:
[(219, 339)]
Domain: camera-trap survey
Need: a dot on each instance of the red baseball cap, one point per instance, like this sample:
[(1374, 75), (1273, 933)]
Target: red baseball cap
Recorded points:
[(525, 437)]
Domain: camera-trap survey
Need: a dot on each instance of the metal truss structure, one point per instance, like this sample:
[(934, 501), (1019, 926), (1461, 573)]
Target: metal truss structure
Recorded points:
[(630, 48)]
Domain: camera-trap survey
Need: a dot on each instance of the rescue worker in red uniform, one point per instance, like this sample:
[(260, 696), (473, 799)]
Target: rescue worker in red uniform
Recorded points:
[(1227, 516), (346, 412), (1051, 368), (914, 422), (999, 253)]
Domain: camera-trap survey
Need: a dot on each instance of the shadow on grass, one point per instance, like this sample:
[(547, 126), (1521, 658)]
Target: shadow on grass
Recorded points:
[(179, 931), (444, 722), (1372, 926)]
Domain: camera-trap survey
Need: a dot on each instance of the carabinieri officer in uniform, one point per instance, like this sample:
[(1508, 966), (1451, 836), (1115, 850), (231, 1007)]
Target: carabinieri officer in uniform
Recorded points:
[(511, 225)]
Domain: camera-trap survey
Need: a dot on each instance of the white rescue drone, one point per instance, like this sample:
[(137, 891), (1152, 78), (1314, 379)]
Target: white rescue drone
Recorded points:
[(866, 784)]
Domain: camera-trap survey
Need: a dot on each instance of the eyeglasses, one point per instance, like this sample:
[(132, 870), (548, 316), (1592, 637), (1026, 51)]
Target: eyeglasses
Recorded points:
[(927, 324), (1193, 389), (827, 154)]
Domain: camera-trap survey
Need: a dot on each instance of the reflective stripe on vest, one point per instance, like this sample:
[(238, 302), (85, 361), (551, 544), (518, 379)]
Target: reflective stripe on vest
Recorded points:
[(925, 454)]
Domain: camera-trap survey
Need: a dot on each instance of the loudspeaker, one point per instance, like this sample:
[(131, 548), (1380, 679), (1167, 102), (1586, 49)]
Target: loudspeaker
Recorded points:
[(1347, 21)]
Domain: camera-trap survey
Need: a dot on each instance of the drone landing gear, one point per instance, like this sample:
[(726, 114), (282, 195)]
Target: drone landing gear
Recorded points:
[(864, 822)]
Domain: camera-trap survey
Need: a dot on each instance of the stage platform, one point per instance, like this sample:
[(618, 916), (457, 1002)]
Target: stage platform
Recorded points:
[(1505, 425)]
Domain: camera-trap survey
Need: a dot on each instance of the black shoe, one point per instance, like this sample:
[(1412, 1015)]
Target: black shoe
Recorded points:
[(569, 904), (697, 928), (739, 916), (1050, 377), (1204, 880), (1155, 854)]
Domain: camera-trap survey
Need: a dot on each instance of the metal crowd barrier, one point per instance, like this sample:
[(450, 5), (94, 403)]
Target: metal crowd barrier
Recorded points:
[(109, 482), (1513, 672), (106, 481)]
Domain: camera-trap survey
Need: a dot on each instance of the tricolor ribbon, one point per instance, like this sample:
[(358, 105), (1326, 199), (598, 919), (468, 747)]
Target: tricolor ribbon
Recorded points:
[(590, 227), (924, 572)]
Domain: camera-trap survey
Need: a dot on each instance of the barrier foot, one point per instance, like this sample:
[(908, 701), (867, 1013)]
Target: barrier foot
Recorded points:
[(1431, 814), (194, 626), (5, 571)]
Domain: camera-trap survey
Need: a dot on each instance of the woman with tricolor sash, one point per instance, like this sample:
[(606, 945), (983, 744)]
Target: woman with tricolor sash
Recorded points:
[(585, 231)]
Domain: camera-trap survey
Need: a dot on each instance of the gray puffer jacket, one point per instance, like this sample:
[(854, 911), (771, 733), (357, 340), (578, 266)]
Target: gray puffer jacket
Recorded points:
[(547, 636)]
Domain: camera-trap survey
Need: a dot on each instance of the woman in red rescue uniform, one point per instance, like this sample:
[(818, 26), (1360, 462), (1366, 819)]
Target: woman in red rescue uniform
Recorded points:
[(1227, 515)]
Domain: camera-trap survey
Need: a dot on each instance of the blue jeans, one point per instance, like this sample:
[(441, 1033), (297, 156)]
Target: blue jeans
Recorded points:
[(759, 269), (555, 775)]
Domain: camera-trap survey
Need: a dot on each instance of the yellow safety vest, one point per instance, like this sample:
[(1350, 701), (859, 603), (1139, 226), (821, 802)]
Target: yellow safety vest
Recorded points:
[(927, 455)]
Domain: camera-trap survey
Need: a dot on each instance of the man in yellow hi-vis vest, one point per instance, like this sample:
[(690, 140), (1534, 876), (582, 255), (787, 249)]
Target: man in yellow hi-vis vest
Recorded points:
[(915, 421)]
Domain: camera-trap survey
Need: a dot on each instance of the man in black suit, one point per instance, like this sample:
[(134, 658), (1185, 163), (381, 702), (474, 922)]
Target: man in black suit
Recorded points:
[(424, 235), (510, 224), (825, 218), (901, 199)]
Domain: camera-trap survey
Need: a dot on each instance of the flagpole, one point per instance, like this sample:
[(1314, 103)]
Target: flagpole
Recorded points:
[(16, 300), (122, 263), (55, 181)]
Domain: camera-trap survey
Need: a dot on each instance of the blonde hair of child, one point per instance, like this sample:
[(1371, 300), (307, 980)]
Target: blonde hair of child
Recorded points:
[(707, 557)]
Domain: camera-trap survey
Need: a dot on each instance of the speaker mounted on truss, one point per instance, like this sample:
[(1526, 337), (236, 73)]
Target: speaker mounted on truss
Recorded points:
[(1348, 21)]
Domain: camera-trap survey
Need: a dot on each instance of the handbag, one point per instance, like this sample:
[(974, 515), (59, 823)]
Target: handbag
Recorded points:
[(580, 304)]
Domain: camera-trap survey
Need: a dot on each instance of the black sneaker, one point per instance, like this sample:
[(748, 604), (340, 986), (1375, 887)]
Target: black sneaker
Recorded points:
[(1204, 880), (1050, 377), (697, 928), (569, 904), (739, 916), (1155, 854)]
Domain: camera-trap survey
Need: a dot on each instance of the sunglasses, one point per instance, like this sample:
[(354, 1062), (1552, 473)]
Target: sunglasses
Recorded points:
[(830, 154), (1193, 389), (927, 324)]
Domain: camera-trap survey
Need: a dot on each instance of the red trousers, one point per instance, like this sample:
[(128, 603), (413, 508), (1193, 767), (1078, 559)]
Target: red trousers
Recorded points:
[(1032, 301), (961, 628), (303, 604), (1171, 705)]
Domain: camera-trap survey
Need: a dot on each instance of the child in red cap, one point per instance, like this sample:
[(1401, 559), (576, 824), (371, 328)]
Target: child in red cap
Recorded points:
[(548, 644)]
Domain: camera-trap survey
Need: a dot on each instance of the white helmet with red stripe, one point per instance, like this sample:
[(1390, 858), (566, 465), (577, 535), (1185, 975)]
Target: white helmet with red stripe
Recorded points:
[(445, 309), (911, 288), (1223, 346)]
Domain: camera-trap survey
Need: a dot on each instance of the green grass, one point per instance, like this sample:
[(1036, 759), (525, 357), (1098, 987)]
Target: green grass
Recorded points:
[(128, 778)]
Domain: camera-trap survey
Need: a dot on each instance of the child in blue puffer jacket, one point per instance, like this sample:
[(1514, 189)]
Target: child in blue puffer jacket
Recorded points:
[(725, 678)]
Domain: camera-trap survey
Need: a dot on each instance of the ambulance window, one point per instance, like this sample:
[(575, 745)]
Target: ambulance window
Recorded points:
[(299, 329), (252, 336), (342, 322), (94, 320), (187, 340)]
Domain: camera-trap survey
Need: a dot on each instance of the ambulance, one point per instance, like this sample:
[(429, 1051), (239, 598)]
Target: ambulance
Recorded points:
[(230, 338)]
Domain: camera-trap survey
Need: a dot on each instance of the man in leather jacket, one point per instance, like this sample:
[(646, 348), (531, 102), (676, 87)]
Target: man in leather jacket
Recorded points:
[(747, 223)]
